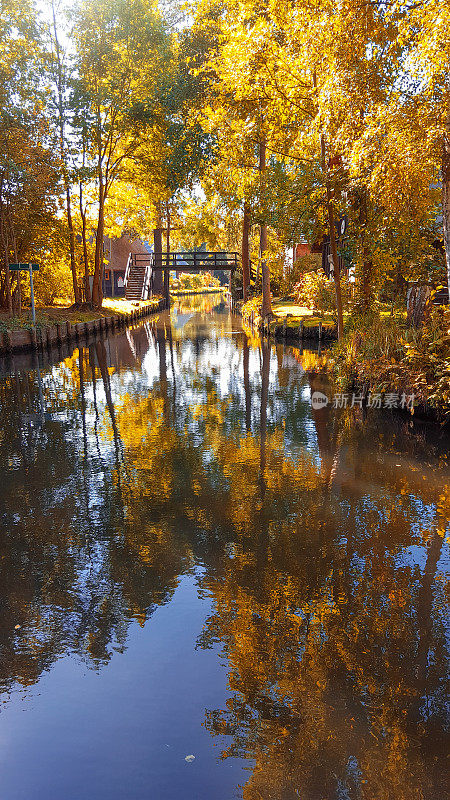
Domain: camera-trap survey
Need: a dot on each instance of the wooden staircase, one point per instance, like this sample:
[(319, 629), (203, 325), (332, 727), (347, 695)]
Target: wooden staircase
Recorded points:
[(135, 283), (138, 280)]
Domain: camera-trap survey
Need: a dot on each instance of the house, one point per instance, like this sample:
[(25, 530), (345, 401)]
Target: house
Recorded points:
[(116, 252), (301, 250)]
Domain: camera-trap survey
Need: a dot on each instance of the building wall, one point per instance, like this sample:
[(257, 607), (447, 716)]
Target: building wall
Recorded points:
[(116, 253), (302, 249)]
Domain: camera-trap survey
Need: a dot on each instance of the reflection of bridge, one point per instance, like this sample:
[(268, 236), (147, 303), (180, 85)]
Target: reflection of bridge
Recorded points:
[(143, 270)]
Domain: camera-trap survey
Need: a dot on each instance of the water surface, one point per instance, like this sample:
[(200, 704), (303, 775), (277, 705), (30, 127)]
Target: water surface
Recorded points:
[(196, 563)]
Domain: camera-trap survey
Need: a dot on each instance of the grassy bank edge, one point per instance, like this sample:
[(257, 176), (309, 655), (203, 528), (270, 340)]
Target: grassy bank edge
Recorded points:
[(379, 354), (49, 315), (206, 290)]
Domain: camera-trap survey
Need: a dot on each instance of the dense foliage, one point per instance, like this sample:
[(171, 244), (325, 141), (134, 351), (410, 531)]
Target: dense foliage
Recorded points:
[(196, 281), (384, 354)]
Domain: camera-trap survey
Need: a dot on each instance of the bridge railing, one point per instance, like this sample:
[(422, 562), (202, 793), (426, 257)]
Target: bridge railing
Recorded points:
[(189, 262)]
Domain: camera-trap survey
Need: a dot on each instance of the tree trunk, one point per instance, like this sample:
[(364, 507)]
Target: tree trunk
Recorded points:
[(265, 271), (157, 251), (167, 270), (245, 252), (87, 288), (19, 294), (336, 273), (73, 265), (4, 237), (367, 273), (60, 90), (161, 338), (97, 294), (418, 303), (425, 620), (367, 263), (8, 286), (446, 201), (168, 236), (83, 401), (102, 361), (18, 302), (333, 247), (321, 417)]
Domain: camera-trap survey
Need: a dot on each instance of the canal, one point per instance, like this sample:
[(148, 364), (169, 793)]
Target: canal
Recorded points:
[(209, 589)]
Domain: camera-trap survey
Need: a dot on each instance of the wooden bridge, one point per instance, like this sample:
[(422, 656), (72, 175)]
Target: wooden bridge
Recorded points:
[(143, 271)]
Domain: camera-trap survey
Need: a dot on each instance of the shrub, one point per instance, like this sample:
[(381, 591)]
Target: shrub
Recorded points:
[(291, 277), (384, 355), (198, 280), (252, 306), (427, 359), (52, 282), (315, 291)]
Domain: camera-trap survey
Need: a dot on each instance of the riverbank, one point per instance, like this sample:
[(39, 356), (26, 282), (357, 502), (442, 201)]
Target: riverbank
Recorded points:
[(58, 324), (387, 356), (289, 321), (190, 292), (381, 356)]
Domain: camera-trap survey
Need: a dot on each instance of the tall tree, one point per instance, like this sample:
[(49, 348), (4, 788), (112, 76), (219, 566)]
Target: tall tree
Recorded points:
[(425, 29), (60, 73), (27, 165), (122, 48)]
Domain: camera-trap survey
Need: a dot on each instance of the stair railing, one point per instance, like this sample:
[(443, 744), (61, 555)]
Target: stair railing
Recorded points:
[(147, 279), (127, 270)]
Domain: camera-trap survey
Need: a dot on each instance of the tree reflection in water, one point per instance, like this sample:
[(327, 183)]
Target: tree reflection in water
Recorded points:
[(173, 446)]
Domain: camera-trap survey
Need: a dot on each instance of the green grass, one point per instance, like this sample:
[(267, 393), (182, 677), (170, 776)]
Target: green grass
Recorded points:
[(298, 314), (49, 315)]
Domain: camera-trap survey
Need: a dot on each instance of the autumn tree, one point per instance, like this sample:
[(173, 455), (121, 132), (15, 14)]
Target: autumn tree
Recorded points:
[(122, 49), (236, 113), (28, 168), (60, 74), (424, 32)]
